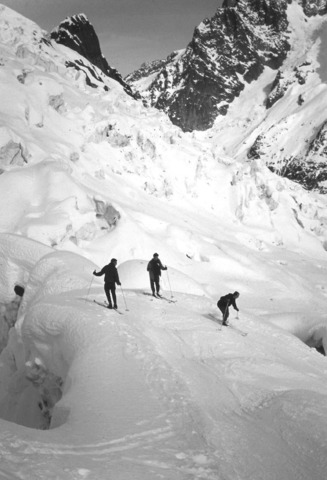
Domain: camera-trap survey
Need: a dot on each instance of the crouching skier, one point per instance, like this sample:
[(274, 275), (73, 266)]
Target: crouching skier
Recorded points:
[(224, 303), (111, 277)]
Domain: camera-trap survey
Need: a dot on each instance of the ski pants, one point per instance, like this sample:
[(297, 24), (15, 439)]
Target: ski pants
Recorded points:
[(223, 307), (155, 283), (110, 287)]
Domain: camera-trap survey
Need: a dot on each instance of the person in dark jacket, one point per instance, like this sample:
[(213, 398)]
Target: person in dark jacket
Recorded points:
[(154, 268), (225, 302), (111, 277)]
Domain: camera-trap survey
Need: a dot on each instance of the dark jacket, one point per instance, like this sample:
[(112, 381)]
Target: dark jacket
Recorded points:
[(226, 301), (110, 273), (155, 266)]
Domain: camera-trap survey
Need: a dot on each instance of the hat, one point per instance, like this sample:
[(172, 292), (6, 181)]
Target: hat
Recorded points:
[(156, 254), (113, 260), (19, 290)]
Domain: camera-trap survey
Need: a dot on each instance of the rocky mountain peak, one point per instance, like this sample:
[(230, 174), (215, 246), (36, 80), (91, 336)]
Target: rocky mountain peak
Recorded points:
[(226, 52), (78, 34), (148, 69)]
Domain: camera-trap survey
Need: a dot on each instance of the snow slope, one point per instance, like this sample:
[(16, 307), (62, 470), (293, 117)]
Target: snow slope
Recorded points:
[(159, 391), (284, 131)]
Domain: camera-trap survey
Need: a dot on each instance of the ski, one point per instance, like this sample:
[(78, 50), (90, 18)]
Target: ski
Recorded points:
[(106, 306), (152, 296), (159, 297), (244, 334), (167, 299), (149, 294)]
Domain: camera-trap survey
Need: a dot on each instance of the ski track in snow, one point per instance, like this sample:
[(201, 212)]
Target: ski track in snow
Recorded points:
[(184, 354)]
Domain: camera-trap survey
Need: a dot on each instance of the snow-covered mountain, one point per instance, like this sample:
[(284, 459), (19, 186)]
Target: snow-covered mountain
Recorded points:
[(226, 52), (161, 390), (274, 49)]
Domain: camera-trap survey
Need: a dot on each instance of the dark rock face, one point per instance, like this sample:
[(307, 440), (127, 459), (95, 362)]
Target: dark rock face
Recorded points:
[(308, 169), (310, 174), (314, 7), (318, 146), (150, 68), (308, 166), (283, 82), (78, 34), (312, 169), (231, 48)]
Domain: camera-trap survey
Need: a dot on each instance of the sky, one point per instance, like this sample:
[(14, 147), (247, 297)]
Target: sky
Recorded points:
[(130, 31)]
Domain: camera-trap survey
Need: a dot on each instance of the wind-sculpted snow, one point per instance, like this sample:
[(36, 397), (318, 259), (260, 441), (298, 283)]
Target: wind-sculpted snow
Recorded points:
[(16, 266), (50, 184), (161, 390), (305, 326)]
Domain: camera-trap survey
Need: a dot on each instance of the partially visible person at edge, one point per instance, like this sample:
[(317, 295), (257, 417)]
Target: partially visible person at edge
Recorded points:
[(111, 277), (154, 268), (225, 302)]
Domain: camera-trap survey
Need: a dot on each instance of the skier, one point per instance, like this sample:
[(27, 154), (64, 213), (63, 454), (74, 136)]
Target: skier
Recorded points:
[(154, 268), (111, 277), (224, 303)]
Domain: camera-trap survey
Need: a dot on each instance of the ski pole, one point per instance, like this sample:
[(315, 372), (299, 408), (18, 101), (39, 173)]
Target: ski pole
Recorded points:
[(122, 291), (171, 293), (88, 292)]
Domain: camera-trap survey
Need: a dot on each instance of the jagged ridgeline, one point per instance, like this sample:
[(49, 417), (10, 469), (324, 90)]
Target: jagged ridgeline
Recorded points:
[(275, 47), (78, 33), (197, 86), (226, 52), (233, 50)]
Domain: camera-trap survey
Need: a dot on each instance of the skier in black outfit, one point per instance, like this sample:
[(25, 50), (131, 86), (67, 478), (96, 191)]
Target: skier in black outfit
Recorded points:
[(224, 303), (111, 277), (154, 268)]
